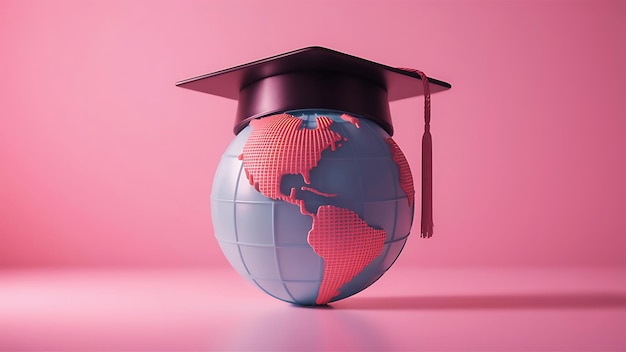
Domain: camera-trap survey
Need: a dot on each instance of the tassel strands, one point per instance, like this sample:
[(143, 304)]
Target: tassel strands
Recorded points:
[(427, 162)]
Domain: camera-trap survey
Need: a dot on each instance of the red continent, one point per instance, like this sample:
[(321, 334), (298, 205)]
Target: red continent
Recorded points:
[(406, 178), (277, 146), (353, 120), (347, 244)]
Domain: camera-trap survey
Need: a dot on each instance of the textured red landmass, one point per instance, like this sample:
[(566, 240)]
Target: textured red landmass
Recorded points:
[(406, 178), (319, 193), (353, 120), (347, 244), (278, 146)]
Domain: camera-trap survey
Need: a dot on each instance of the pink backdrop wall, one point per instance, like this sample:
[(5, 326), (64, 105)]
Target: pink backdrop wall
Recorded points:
[(103, 161)]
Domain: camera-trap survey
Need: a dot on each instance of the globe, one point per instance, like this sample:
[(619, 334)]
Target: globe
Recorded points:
[(312, 206)]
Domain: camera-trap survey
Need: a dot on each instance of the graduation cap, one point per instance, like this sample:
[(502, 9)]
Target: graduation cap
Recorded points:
[(321, 78)]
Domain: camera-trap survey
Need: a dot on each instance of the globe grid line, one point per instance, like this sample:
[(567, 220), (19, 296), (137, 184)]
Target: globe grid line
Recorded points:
[(276, 261), (298, 246), (235, 221)]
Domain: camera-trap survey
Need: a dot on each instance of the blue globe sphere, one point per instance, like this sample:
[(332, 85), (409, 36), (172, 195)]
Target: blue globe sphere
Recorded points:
[(266, 240)]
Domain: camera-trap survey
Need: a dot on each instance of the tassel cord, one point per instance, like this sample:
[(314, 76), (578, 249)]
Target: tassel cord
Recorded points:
[(427, 224)]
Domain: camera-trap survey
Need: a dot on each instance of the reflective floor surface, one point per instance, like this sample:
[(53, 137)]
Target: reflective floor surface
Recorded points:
[(205, 310)]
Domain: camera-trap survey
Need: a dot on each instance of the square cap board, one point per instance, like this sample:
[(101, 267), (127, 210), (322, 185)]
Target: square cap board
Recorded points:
[(313, 77)]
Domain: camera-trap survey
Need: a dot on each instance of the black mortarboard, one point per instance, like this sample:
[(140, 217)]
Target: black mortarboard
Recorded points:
[(313, 77), (320, 78)]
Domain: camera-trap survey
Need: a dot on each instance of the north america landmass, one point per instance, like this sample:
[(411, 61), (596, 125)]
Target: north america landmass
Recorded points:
[(278, 145)]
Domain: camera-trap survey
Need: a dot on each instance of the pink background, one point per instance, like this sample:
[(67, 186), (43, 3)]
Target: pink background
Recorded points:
[(107, 167), (104, 162)]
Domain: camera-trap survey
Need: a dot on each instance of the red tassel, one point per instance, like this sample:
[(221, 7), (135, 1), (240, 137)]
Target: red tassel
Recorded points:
[(427, 162), (427, 184)]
